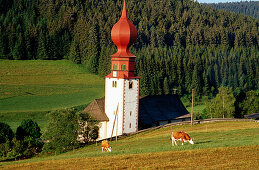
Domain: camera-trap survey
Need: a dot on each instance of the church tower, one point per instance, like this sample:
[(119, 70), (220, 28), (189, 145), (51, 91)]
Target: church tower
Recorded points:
[(121, 85)]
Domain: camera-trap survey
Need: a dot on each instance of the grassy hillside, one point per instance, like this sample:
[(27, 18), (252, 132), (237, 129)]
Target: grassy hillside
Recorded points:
[(33, 87), (217, 145), (46, 85)]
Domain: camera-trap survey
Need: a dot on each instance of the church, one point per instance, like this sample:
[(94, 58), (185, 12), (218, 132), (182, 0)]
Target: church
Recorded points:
[(118, 113)]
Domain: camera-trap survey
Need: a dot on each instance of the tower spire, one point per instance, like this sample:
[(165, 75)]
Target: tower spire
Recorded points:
[(124, 11), (123, 34)]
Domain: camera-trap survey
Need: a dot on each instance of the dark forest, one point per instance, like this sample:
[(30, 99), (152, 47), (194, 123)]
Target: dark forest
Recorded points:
[(181, 44), (250, 8)]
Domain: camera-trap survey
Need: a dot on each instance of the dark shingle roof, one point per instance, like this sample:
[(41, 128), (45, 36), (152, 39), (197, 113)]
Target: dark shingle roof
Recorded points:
[(160, 108), (253, 116), (96, 110), (151, 109)]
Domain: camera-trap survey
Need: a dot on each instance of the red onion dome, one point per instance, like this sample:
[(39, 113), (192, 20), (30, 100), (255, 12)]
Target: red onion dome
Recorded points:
[(123, 34)]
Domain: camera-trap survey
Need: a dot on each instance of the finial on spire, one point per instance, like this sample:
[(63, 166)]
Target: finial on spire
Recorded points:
[(124, 11), (123, 34)]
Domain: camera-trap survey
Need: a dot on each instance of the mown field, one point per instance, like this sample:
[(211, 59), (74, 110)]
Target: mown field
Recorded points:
[(222, 145), (35, 86)]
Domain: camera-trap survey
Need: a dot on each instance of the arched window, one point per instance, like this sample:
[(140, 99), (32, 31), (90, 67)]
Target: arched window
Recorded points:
[(130, 84), (123, 67), (114, 84), (130, 125), (115, 67)]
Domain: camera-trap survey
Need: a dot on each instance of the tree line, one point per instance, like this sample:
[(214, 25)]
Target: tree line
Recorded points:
[(181, 44), (250, 8), (67, 129)]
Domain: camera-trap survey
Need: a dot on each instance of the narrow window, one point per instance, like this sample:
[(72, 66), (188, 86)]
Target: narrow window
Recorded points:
[(115, 67), (130, 84), (115, 84), (130, 125), (123, 67), (112, 83), (130, 113)]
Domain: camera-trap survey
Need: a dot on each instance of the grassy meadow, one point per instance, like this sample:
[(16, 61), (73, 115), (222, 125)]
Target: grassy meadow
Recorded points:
[(233, 145), (33, 87)]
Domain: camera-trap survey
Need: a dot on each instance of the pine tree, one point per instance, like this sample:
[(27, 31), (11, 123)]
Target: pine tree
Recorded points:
[(166, 86), (74, 54), (18, 50), (41, 50)]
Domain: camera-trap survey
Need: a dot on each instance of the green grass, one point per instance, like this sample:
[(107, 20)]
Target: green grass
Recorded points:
[(196, 109), (34, 87), (14, 119), (210, 139), (46, 85)]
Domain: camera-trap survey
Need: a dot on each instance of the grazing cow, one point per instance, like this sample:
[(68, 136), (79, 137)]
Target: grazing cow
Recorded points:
[(106, 146), (182, 136)]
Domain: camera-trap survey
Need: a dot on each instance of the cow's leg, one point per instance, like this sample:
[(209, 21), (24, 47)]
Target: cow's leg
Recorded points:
[(102, 149), (182, 141), (172, 142), (175, 142)]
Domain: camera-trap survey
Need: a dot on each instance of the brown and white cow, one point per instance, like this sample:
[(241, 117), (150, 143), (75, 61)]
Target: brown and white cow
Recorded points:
[(181, 136), (106, 146)]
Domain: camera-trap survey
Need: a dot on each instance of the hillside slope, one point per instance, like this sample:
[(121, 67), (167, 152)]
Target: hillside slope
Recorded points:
[(217, 145), (250, 8), (46, 85)]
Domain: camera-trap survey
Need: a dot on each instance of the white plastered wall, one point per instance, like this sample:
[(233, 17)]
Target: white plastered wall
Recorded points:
[(127, 101), (114, 98), (102, 130), (131, 102)]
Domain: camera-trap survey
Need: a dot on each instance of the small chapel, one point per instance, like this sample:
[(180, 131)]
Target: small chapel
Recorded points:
[(118, 113)]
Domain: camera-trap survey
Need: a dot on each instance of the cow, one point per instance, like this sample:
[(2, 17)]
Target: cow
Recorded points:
[(106, 146), (182, 136)]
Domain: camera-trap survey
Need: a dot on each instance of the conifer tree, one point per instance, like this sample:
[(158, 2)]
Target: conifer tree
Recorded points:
[(166, 86), (41, 50), (74, 54), (18, 50)]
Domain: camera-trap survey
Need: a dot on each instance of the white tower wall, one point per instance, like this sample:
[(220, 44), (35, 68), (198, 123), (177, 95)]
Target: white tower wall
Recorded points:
[(113, 98), (118, 92), (131, 102)]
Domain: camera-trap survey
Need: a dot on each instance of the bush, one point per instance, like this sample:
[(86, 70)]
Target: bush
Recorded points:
[(26, 143), (28, 128), (17, 149), (251, 103), (25, 148), (32, 146), (4, 149), (94, 133), (88, 129), (62, 131), (6, 133)]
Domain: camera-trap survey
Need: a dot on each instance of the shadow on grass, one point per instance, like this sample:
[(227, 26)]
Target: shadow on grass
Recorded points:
[(202, 142)]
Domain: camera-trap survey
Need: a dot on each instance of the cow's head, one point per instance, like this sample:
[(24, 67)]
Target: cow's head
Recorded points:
[(191, 141)]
